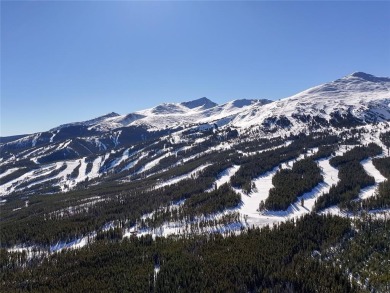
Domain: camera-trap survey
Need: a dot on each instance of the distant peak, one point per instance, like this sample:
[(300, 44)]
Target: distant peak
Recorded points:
[(362, 75), (109, 115), (205, 102), (88, 122), (369, 77)]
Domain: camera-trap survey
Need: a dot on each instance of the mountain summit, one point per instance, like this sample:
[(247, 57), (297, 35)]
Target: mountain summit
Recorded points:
[(202, 102), (369, 77)]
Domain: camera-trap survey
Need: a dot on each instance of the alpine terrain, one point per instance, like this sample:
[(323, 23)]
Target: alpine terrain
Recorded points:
[(248, 196)]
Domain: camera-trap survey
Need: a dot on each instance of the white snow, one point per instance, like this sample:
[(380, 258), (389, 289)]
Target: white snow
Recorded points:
[(153, 163), (372, 171), (54, 133), (224, 177), (96, 167), (35, 139), (7, 172), (11, 186), (77, 243), (125, 156), (250, 202), (349, 93), (65, 182), (171, 115), (64, 145)]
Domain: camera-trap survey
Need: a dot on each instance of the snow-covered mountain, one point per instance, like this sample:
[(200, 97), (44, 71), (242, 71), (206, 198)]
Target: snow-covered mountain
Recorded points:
[(169, 115), (356, 99), (111, 143), (111, 129)]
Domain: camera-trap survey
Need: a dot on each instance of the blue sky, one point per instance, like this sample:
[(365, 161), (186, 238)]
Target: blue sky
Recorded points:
[(72, 61)]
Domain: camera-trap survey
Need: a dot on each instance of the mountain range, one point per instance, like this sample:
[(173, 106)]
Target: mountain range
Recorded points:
[(355, 100), (248, 196)]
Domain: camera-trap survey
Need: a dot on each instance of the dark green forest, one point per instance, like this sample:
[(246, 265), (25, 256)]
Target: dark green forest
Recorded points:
[(310, 254), (257, 260)]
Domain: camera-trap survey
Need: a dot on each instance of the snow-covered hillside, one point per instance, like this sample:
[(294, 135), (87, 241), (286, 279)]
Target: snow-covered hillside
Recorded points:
[(355, 99)]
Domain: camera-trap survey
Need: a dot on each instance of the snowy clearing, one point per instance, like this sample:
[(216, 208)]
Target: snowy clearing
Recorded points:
[(224, 177), (372, 171)]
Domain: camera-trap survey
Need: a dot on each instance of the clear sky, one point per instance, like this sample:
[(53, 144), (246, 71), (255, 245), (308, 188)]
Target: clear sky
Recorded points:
[(71, 61)]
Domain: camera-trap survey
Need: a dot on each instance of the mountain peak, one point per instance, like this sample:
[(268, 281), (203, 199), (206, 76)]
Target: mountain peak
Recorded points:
[(369, 77), (112, 114), (205, 102), (100, 118), (87, 122), (361, 74)]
